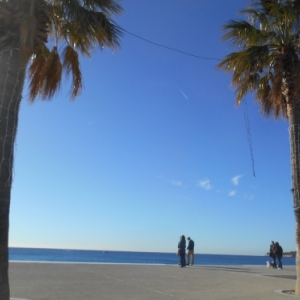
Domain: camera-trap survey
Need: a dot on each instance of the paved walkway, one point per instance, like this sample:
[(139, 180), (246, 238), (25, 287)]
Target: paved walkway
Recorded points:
[(51, 281)]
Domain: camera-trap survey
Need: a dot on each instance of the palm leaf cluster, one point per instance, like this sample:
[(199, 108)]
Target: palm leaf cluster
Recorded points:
[(53, 34), (266, 62)]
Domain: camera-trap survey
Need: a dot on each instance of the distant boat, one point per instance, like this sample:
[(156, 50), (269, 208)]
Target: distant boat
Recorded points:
[(105, 251)]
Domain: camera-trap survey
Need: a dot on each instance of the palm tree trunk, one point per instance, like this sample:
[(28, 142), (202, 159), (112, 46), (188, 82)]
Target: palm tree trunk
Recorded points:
[(12, 77), (294, 120), (297, 288)]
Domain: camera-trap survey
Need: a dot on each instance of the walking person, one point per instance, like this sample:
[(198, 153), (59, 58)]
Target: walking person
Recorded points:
[(181, 251), (178, 253), (190, 253), (272, 254), (278, 253)]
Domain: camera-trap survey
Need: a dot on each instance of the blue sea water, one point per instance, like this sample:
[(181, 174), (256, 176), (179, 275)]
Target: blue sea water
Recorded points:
[(122, 257)]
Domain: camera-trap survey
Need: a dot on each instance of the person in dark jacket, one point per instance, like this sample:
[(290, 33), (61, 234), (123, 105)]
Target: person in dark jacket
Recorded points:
[(181, 251), (272, 254), (278, 253), (190, 249)]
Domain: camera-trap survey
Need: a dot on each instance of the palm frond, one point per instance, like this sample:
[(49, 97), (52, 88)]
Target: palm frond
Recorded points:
[(108, 7), (269, 7), (71, 66), (77, 27), (85, 29), (247, 83), (46, 74), (36, 71), (257, 18), (268, 103), (252, 59), (52, 75), (276, 91), (264, 88), (35, 75), (108, 32), (241, 33)]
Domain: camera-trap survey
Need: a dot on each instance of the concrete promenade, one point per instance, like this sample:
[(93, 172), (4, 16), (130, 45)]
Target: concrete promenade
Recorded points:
[(59, 281)]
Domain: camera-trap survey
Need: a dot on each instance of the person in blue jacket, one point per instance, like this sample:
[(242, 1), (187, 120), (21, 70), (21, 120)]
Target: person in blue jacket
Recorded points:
[(181, 251)]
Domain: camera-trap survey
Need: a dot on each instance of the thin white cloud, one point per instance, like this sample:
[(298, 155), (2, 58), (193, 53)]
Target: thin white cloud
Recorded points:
[(236, 179), (205, 184), (232, 193), (177, 183), (183, 93)]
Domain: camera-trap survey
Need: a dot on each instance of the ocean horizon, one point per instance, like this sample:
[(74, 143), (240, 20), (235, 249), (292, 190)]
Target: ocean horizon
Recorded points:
[(133, 257)]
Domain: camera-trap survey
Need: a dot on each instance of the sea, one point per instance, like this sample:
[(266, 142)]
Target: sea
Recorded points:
[(127, 257)]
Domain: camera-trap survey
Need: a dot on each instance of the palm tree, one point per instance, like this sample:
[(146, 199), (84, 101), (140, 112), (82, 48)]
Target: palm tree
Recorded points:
[(267, 64), (42, 39)]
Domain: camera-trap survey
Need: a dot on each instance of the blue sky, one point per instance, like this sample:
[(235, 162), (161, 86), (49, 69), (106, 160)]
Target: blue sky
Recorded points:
[(153, 148)]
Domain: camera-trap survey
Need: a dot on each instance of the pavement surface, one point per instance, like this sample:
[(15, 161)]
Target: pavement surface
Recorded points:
[(64, 281)]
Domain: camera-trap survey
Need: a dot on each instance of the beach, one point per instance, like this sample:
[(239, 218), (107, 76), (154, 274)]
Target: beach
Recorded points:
[(63, 281)]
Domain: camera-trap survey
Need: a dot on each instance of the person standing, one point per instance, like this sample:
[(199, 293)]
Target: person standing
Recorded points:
[(278, 253), (272, 254), (190, 253), (181, 251)]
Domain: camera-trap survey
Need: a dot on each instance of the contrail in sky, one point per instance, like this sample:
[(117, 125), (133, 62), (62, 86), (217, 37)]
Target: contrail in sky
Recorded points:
[(183, 94)]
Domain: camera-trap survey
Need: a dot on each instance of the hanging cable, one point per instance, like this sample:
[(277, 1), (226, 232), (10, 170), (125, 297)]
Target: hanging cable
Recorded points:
[(247, 123), (170, 48)]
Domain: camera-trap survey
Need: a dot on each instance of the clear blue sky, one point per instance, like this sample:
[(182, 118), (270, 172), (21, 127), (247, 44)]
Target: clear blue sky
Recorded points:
[(153, 148)]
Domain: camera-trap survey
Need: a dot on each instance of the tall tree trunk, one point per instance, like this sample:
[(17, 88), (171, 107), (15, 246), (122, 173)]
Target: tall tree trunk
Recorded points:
[(294, 120), (12, 77)]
